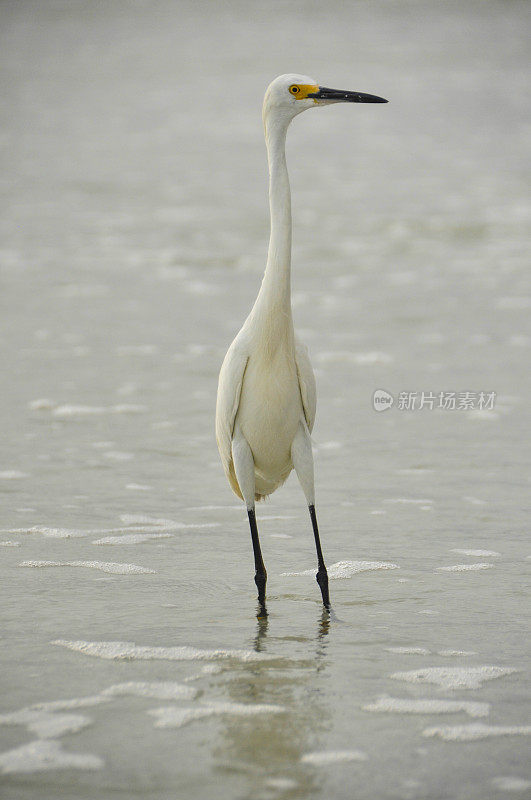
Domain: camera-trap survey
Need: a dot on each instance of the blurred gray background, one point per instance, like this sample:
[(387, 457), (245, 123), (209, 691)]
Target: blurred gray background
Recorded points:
[(133, 237)]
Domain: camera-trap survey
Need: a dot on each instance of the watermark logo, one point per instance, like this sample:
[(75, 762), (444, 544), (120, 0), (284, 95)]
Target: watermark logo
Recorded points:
[(447, 401), (382, 400)]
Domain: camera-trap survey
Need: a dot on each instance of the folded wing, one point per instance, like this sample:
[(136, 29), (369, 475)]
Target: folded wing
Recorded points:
[(228, 400), (306, 383)]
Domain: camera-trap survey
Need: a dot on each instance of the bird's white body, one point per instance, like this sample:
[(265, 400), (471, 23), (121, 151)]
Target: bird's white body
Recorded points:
[(270, 409), (270, 412), (266, 394)]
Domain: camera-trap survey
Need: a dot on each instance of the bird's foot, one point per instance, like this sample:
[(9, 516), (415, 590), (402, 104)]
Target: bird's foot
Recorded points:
[(261, 614), (260, 579), (322, 580)]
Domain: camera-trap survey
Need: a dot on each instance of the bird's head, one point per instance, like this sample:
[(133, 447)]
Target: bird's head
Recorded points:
[(289, 95)]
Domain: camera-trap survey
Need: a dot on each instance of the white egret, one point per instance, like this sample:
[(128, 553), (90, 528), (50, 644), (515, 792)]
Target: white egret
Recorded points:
[(266, 394)]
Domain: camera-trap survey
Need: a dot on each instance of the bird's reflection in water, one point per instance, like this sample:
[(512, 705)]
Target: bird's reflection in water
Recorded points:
[(262, 624), (269, 746), (322, 638)]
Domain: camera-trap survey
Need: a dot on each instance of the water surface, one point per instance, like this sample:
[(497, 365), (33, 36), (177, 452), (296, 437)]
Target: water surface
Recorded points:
[(133, 241)]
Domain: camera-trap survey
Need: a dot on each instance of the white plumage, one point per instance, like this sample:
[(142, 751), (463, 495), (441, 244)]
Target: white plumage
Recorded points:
[(266, 394)]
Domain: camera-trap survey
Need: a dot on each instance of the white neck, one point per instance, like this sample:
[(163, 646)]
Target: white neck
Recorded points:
[(275, 292)]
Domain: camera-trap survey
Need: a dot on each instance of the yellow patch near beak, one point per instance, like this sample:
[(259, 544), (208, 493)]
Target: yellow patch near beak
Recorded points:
[(304, 90)]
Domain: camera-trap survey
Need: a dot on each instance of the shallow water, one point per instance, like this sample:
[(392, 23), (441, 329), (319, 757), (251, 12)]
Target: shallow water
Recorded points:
[(133, 242)]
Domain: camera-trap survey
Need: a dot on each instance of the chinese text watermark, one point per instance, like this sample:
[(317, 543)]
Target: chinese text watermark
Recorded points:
[(447, 401)]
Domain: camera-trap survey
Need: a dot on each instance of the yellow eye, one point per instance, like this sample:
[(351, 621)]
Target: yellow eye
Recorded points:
[(294, 89)]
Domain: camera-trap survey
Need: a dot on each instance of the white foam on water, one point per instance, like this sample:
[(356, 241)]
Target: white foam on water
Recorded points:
[(41, 404), (128, 408), (54, 533), (465, 567), (126, 651), (400, 705), (9, 543), (408, 501), (411, 783), (480, 553), (373, 357), (172, 717), (44, 754), (12, 475), (280, 536), (450, 653), (44, 724), (208, 669), (475, 731), (138, 487), (454, 677), (414, 471), (275, 516), (423, 651), (116, 455), (211, 669), (482, 414), (510, 783), (325, 757), (73, 533), (71, 410), (346, 569), (214, 508), (73, 703), (198, 525), (41, 720), (161, 690), (131, 538), (103, 566), (282, 784), (201, 288), (168, 524), (128, 529), (475, 501)]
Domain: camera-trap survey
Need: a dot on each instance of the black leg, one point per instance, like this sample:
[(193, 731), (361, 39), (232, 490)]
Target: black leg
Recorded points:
[(260, 576), (322, 574)]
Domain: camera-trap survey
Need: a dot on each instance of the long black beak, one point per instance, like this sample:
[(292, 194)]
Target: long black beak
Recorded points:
[(341, 96)]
